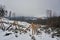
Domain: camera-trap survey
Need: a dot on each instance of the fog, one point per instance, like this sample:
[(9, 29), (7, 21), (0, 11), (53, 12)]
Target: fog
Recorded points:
[(35, 8)]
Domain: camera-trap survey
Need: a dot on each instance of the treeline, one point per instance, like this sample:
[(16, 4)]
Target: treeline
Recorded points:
[(30, 20), (38, 21), (54, 22)]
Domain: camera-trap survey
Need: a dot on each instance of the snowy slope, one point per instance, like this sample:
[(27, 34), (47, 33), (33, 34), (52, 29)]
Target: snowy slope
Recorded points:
[(26, 36)]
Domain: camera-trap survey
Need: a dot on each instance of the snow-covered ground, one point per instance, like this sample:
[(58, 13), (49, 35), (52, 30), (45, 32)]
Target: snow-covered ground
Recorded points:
[(26, 36)]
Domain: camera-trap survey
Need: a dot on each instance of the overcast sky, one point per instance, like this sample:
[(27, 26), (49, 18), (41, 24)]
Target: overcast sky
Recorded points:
[(31, 7)]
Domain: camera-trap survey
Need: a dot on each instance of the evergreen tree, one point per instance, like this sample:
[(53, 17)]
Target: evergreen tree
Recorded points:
[(3, 12)]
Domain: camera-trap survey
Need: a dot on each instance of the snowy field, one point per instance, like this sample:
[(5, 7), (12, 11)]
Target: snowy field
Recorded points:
[(25, 36)]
